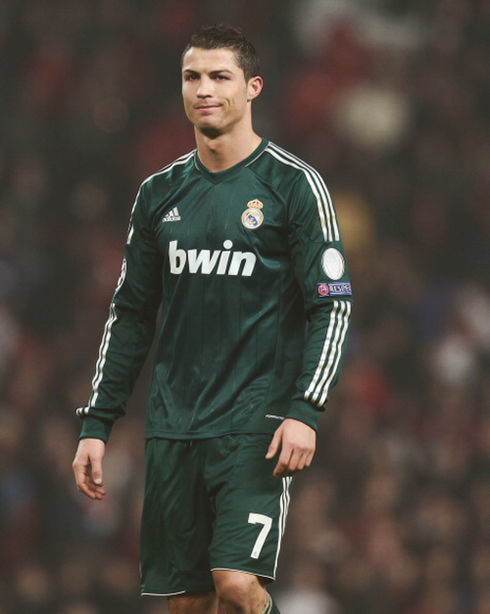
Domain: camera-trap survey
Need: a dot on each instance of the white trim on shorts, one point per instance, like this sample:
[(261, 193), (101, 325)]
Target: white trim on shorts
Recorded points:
[(162, 594)]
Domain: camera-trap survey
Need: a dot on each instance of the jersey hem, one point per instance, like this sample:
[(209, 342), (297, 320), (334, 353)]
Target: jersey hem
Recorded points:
[(211, 434)]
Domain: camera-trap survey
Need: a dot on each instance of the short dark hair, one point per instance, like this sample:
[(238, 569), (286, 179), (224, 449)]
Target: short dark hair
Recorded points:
[(225, 36)]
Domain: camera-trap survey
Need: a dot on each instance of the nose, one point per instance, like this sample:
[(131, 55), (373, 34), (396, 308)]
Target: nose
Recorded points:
[(204, 89)]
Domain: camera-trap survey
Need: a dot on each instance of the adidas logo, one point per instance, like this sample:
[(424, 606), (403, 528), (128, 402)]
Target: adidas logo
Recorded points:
[(172, 216)]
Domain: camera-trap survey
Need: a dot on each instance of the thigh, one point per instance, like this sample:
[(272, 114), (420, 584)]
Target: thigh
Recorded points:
[(251, 505), (193, 603), (176, 526)]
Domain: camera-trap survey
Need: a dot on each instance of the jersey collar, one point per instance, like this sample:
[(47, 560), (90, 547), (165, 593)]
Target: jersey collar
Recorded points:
[(229, 172)]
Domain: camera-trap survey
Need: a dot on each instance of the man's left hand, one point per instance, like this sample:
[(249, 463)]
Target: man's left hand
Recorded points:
[(297, 442)]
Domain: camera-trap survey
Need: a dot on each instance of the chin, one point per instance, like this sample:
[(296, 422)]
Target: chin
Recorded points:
[(204, 126), (212, 132)]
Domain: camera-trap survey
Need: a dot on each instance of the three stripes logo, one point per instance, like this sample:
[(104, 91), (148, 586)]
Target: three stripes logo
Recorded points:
[(172, 216)]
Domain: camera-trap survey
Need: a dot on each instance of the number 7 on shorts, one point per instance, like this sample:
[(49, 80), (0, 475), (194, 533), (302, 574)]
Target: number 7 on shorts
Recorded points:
[(266, 521)]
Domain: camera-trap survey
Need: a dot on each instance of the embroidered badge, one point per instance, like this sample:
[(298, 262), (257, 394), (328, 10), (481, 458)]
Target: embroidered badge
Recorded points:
[(333, 263), (335, 289), (253, 216), (323, 289)]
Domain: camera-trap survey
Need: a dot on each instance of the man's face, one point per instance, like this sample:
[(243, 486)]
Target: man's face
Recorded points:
[(216, 95)]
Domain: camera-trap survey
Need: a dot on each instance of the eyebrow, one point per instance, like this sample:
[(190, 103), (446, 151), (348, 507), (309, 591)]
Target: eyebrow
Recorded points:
[(218, 71)]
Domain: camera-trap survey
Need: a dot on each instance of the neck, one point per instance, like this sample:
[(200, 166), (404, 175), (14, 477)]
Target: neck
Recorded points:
[(221, 152)]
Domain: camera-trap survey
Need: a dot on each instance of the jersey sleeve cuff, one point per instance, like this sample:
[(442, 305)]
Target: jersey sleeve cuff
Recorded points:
[(95, 428), (305, 412)]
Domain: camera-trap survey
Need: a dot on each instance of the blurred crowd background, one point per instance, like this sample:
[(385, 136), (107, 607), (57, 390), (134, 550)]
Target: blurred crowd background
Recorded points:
[(390, 100)]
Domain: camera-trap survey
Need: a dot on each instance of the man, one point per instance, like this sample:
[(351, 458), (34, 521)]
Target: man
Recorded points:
[(239, 244)]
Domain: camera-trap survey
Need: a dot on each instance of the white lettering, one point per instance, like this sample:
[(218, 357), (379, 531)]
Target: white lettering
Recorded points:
[(206, 262), (238, 257), (177, 258), (225, 256), (202, 259)]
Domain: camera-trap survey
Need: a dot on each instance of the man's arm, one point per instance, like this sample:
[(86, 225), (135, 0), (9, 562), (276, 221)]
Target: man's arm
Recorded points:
[(125, 344), (87, 468), (320, 268), (130, 328)]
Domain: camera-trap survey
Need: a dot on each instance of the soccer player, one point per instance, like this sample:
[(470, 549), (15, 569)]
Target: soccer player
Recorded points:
[(239, 245)]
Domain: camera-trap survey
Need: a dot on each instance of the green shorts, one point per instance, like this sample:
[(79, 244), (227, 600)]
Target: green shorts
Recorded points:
[(210, 504)]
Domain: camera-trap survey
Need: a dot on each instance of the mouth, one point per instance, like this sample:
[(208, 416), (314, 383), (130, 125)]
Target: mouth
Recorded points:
[(208, 107)]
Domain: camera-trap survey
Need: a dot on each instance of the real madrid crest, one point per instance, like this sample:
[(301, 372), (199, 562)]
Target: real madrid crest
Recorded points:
[(253, 216)]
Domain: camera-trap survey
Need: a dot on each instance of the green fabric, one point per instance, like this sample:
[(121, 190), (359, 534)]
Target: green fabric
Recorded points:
[(236, 260), (210, 504)]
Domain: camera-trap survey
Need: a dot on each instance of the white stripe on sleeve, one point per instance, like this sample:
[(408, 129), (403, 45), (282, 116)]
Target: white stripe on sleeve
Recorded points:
[(325, 206), (104, 346), (317, 391)]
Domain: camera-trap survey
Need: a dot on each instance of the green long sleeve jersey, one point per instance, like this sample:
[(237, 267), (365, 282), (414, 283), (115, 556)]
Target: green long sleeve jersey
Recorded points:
[(249, 270)]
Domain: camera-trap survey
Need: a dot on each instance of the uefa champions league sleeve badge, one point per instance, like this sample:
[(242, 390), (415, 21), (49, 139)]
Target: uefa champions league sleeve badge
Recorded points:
[(253, 216)]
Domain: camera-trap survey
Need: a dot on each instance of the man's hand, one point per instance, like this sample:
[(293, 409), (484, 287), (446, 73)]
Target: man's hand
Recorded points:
[(87, 467), (297, 442)]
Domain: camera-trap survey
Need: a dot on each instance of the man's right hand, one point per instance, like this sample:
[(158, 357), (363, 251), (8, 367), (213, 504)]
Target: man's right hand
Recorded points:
[(87, 467)]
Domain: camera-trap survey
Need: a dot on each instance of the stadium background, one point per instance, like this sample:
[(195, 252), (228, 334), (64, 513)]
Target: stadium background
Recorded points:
[(389, 99)]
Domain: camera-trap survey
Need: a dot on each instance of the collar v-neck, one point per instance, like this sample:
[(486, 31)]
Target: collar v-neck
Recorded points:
[(220, 176)]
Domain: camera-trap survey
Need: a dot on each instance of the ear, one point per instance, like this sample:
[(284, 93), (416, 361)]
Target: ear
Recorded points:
[(254, 87)]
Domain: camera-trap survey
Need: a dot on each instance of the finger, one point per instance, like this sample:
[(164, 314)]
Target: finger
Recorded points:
[(80, 474), (301, 460), (96, 472), (92, 491), (309, 458), (274, 446), (85, 483), (298, 461), (295, 464), (282, 468), (97, 493), (89, 489)]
